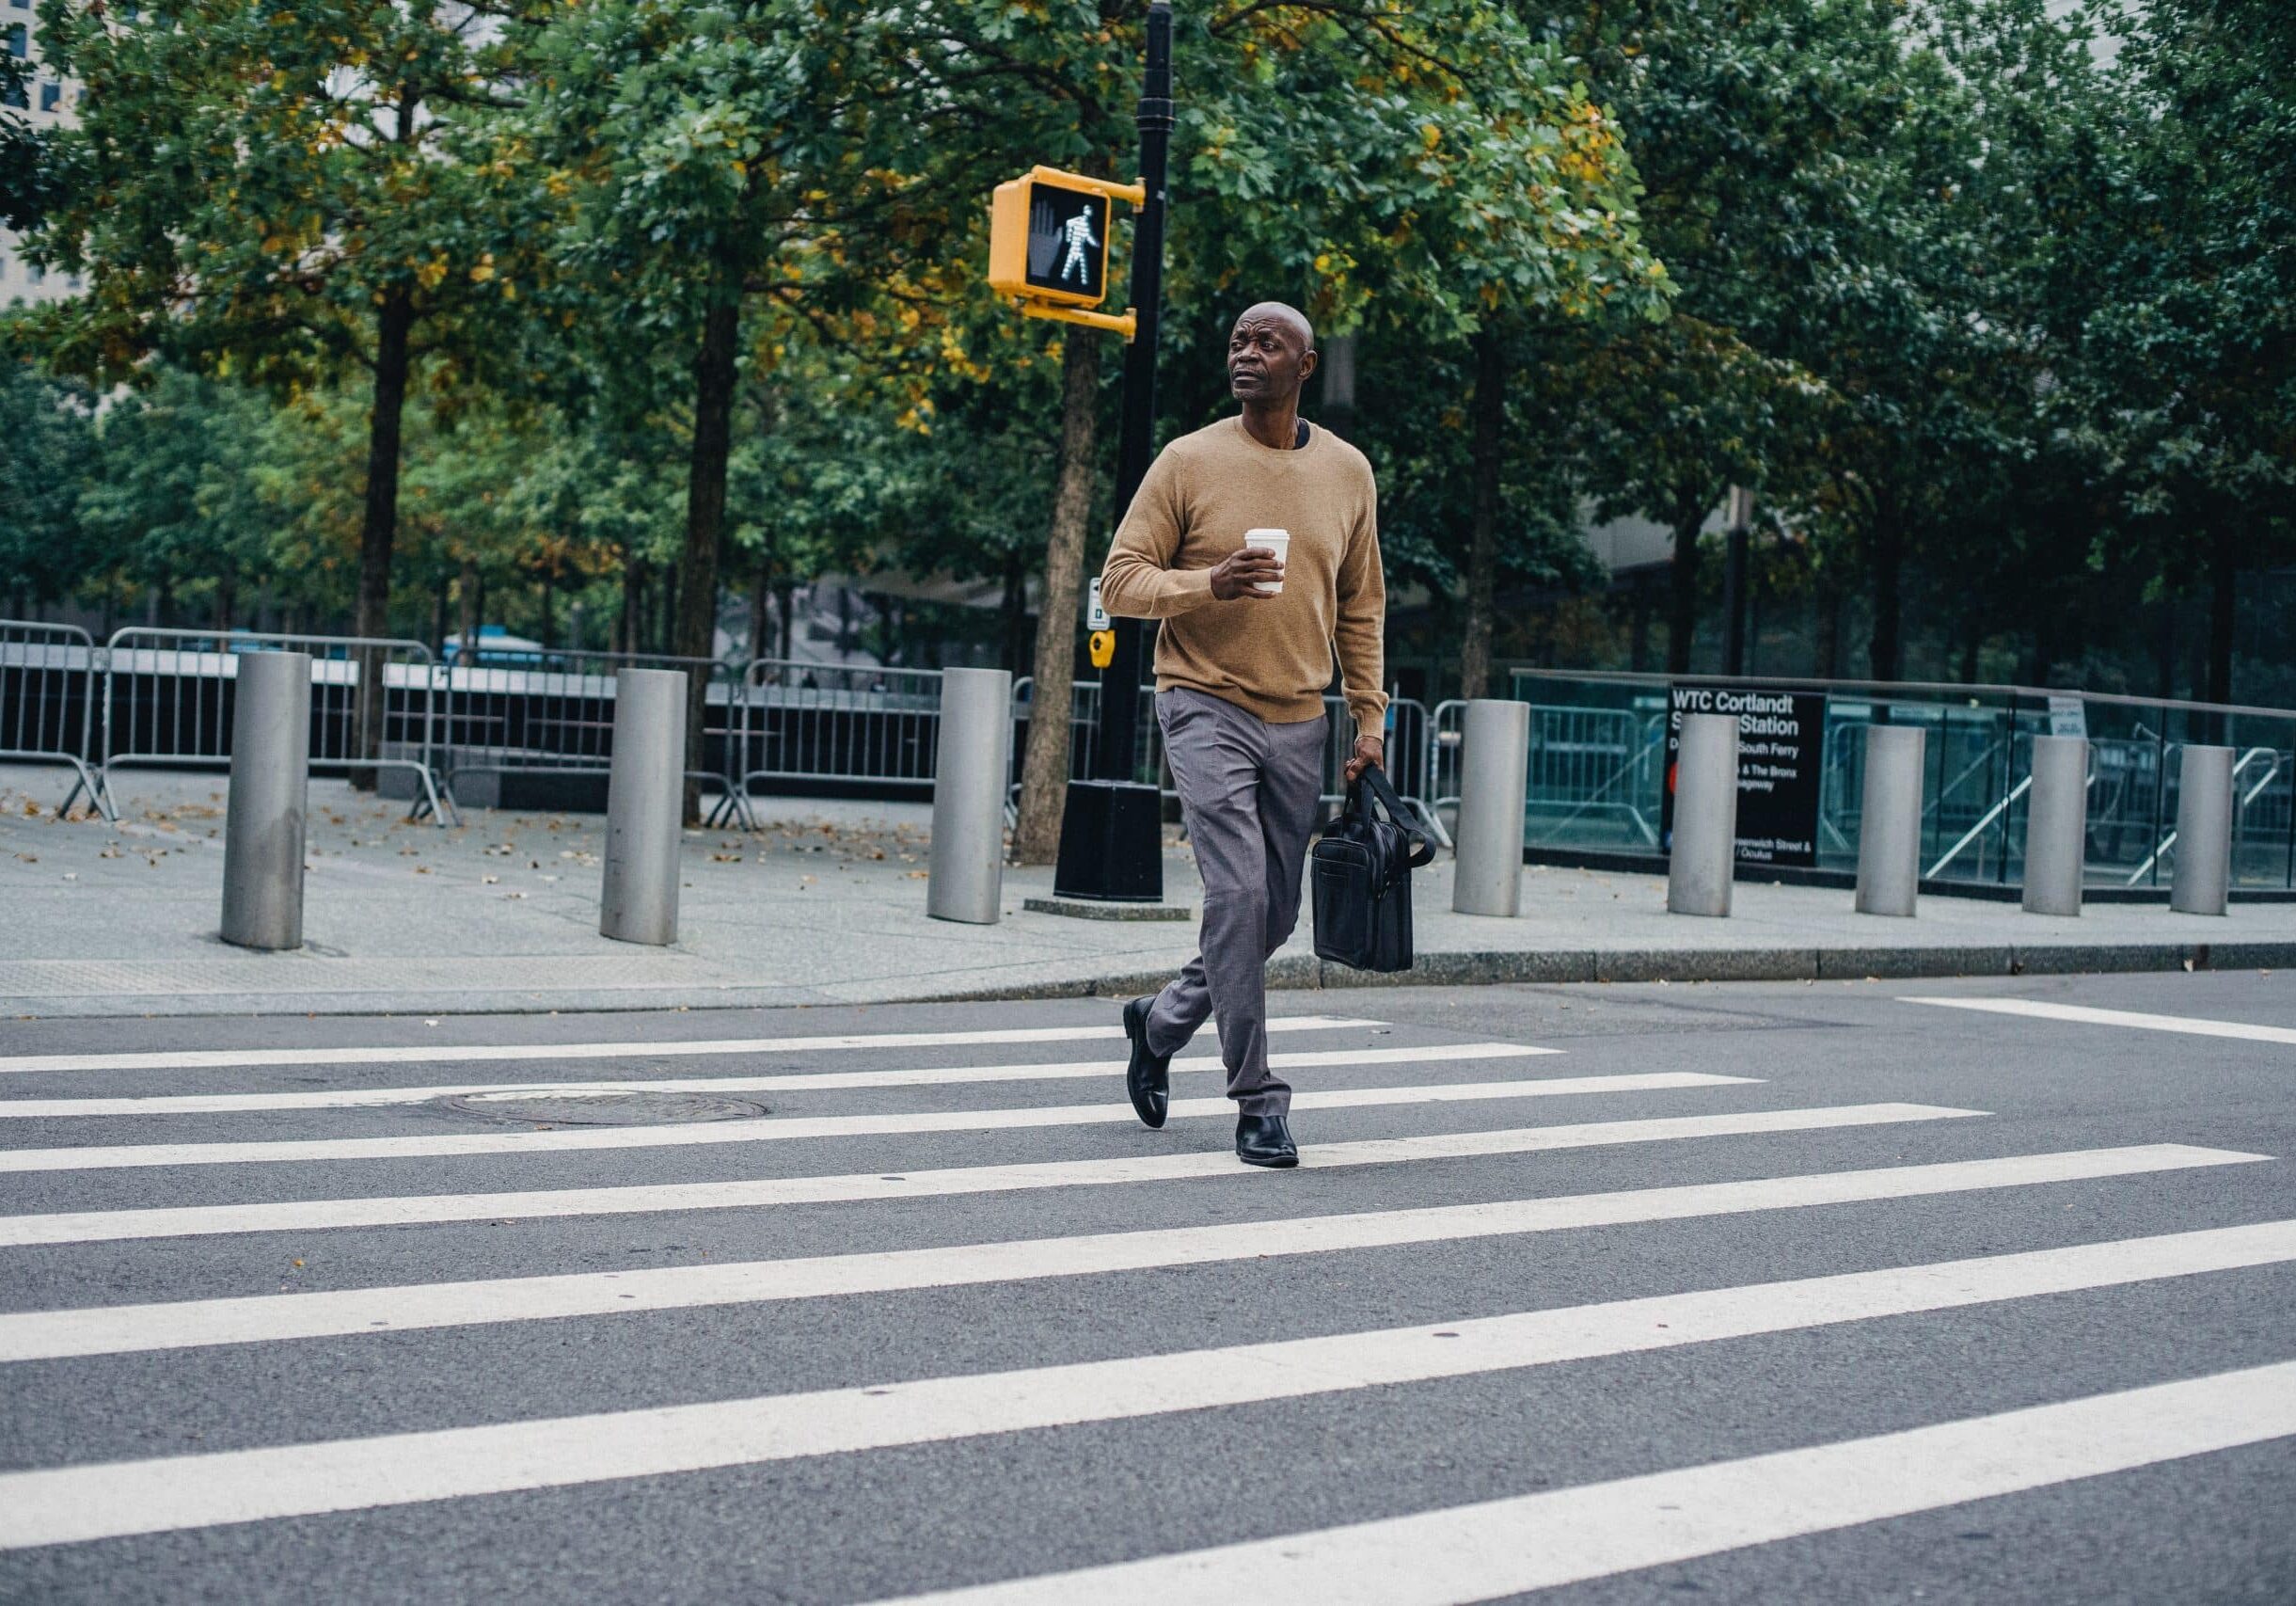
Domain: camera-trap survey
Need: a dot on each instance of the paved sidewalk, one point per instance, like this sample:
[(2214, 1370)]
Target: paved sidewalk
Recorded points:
[(825, 904)]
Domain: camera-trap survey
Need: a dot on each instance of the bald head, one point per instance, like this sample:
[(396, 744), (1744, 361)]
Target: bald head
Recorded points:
[(1278, 311), (1271, 352)]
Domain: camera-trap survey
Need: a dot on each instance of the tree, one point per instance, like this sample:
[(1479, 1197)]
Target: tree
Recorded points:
[(2188, 377), (46, 424), (176, 499), (722, 156), (289, 195)]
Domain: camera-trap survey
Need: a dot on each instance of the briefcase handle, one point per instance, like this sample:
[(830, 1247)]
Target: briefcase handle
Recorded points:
[(1374, 787)]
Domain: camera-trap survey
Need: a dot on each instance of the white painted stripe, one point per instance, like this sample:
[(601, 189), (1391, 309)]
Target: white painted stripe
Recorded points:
[(321, 1214), (1541, 1541), (71, 1504), (427, 1054), (2192, 1025), (1012, 1119), (809, 1081), (118, 1329)]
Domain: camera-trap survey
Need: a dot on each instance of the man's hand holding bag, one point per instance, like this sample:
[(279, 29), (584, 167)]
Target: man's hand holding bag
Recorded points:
[(1361, 874)]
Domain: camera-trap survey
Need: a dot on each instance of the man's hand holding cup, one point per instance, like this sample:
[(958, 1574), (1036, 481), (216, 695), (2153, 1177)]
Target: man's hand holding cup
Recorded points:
[(1257, 570)]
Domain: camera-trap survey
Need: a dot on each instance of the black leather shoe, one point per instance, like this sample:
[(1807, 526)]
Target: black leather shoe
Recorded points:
[(1265, 1140), (1149, 1078)]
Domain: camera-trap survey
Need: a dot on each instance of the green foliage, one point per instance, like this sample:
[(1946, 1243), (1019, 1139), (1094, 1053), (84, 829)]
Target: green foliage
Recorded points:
[(1960, 293), (45, 423)]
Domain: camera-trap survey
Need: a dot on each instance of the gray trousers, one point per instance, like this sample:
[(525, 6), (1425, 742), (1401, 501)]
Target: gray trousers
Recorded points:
[(1251, 791)]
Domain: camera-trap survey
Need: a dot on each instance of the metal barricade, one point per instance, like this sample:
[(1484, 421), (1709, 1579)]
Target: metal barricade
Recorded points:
[(837, 722), (552, 713), (1595, 763), (168, 699), (48, 709)]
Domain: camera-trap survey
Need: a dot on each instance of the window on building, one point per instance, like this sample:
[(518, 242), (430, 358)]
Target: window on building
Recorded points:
[(14, 96), (20, 4), (35, 273), (49, 95), (19, 41)]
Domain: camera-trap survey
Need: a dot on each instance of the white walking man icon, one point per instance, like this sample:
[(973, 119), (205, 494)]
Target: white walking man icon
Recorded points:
[(1078, 230)]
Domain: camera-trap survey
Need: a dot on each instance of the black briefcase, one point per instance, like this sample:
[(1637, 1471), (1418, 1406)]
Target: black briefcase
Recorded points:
[(1362, 878)]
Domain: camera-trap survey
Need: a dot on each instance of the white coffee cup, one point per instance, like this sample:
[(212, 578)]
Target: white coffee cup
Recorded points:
[(1277, 541)]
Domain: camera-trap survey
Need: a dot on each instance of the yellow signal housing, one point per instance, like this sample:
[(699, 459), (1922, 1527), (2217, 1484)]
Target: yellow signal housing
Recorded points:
[(1048, 244), (1101, 647)]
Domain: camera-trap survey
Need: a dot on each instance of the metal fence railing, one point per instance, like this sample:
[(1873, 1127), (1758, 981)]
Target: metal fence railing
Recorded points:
[(833, 723), (48, 709), (1978, 764), (169, 695), (554, 715), (1596, 768)]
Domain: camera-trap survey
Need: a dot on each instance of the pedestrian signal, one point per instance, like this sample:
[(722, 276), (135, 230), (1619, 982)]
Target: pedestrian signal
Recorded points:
[(1101, 645), (1048, 239)]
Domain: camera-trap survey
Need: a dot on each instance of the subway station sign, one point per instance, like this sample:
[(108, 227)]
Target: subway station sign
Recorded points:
[(1781, 758)]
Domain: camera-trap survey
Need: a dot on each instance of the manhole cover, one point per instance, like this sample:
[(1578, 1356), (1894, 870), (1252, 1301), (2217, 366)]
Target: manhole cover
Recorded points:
[(572, 1106)]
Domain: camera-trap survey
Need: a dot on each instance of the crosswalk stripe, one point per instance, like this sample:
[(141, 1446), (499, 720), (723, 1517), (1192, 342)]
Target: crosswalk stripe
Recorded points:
[(1541, 1541), (806, 1081), (74, 1505), (116, 1330), (1013, 1118), (321, 1214), (425, 1054), (2034, 1008)]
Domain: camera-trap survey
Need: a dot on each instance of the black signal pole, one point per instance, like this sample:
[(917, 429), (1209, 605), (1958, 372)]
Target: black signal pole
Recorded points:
[(1110, 832)]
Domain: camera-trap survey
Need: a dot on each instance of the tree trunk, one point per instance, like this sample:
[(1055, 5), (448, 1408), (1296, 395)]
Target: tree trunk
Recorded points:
[(761, 608), (1885, 652), (627, 627), (2223, 602), (786, 641), (1638, 649), (1482, 550), (1044, 768), (466, 613), (1682, 605), (1337, 411), (1828, 625), (2164, 649), (226, 592), (1015, 610), (379, 521), (716, 366)]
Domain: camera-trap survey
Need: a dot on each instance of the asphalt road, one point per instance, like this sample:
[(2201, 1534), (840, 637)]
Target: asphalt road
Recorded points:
[(1752, 1293)]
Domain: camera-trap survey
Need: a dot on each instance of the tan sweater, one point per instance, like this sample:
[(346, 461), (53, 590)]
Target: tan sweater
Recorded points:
[(1274, 657)]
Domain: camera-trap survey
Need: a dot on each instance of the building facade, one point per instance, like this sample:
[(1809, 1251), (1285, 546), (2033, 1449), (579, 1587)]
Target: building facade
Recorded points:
[(44, 100)]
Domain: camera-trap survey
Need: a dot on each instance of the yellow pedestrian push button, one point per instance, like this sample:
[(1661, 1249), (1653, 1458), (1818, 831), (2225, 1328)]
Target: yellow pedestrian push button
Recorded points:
[(1101, 645)]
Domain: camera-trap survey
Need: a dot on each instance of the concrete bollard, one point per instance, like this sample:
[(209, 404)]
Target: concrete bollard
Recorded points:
[(1704, 853), (2056, 825), (1493, 766), (2203, 881), (270, 800), (966, 878), (645, 797), (1889, 832)]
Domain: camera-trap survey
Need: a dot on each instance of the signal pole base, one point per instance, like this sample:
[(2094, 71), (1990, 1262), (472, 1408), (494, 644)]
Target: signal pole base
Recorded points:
[(1110, 843)]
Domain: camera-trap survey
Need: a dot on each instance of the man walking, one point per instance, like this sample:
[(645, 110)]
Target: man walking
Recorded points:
[(1250, 630)]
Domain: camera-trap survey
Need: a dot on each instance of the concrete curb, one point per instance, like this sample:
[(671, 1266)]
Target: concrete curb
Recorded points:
[(1581, 965), (1287, 972)]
